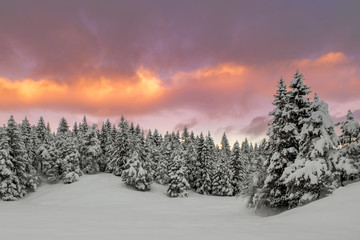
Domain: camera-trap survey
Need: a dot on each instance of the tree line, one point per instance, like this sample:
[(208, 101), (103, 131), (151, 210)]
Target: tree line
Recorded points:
[(302, 160)]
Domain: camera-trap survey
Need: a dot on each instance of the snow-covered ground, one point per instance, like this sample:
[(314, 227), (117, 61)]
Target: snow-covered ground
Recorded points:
[(102, 207)]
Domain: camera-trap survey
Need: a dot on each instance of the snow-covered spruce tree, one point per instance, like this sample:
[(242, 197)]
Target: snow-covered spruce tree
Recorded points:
[(204, 169), (347, 160), (10, 187), (285, 127), (166, 149), (350, 130), (29, 139), (245, 147), (75, 130), (68, 154), (157, 138), (83, 127), (152, 152), (135, 175), (238, 168), (47, 156), (222, 176), (26, 173), (190, 156), (225, 146), (91, 151), (178, 185), (41, 130), (255, 177), (281, 152), (310, 176), (106, 142), (40, 136), (120, 150)]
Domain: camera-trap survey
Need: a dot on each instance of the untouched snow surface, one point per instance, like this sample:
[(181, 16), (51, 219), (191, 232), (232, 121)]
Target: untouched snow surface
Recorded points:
[(102, 207)]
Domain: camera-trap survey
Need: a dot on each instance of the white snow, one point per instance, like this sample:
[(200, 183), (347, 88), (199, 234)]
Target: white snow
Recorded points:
[(102, 207)]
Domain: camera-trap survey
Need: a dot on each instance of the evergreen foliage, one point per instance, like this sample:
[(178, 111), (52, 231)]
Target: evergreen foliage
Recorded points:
[(91, 151), (135, 175), (178, 185), (311, 173)]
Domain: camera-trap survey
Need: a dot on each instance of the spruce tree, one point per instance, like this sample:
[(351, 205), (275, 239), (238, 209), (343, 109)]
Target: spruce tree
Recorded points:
[(167, 147), (83, 127), (190, 156), (282, 151), (120, 149), (75, 130), (222, 176), (41, 131), (204, 165), (91, 151), (157, 138), (10, 187), (106, 144), (347, 161), (310, 175), (178, 185), (245, 147), (68, 153), (238, 168), (28, 137), (350, 130), (225, 146), (50, 165), (152, 154), (135, 175), (25, 172)]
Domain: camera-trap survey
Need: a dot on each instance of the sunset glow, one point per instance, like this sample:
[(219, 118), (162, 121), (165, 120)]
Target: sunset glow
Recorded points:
[(164, 65)]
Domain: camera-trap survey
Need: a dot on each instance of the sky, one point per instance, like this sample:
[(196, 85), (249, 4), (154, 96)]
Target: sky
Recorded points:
[(210, 65)]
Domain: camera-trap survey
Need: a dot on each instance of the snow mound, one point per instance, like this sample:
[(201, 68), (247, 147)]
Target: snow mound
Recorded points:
[(102, 207)]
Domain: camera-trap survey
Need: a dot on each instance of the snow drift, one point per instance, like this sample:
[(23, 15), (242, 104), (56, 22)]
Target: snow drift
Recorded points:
[(102, 207)]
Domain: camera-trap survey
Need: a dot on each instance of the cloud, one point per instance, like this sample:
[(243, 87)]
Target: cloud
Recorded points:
[(191, 123), (257, 127), (98, 97), (66, 39), (227, 129), (226, 90)]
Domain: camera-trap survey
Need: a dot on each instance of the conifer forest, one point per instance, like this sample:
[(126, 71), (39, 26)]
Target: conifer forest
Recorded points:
[(302, 159)]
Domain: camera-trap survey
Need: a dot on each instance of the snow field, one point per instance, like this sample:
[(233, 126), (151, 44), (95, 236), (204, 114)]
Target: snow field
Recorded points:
[(102, 207)]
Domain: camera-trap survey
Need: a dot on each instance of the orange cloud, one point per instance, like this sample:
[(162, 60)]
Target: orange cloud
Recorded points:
[(220, 91), (100, 95)]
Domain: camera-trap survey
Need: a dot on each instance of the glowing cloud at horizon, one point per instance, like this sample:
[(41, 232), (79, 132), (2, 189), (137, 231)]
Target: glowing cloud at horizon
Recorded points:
[(213, 66)]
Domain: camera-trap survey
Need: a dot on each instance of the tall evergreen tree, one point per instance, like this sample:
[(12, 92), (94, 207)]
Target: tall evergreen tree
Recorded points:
[(68, 153), (225, 146), (350, 130), (48, 158), (178, 185), (238, 168), (282, 152), (311, 174), (10, 186), (135, 175), (41, 130), (347, 161), (29, 139), (167, 147), (204, 165), (91, 151), (75, 130), (83, 127), (120, 150), (25, 172), (222, 176)]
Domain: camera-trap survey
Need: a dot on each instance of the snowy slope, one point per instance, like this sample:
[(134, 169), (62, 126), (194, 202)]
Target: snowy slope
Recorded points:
[(102, 207)]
